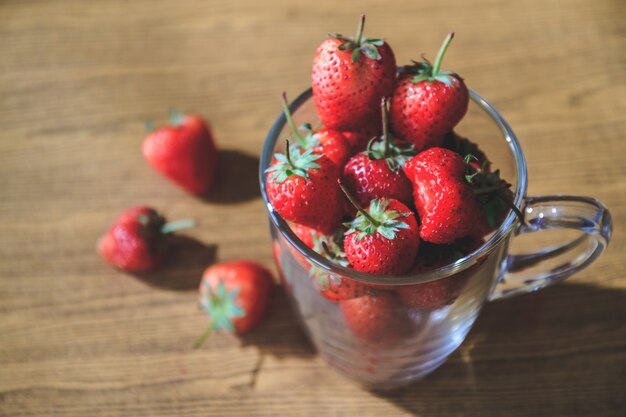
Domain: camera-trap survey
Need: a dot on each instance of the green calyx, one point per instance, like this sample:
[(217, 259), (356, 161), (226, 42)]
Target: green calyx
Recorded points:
[(359, 45), (377, 219), (221, 307), (492, 192), (292, 162), (431, 72), (331, 248), (385, 148)]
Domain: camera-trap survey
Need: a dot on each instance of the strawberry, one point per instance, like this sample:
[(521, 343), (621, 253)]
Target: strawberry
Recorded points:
[(328, 142), (304, 233), (302, 187), (377, 319), (464, 147), (135, 241), (444, 291), (358, 139), (349, 77), (427, 102), (492, 192), (184, 152), (383, 239), (377, 172), (234, 294), (332, 286), (444, 200)]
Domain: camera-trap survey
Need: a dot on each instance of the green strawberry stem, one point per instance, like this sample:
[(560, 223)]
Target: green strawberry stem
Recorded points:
[(358, 206), (288, 155), (359, 31), (177, 225), (386, 138), (327, 251), (510, 205), (290, 121), (176, 118), (149, 126), (203, 337), (442, 52)]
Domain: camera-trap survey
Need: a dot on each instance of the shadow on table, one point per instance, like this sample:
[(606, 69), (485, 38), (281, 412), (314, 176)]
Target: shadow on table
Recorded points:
[(238, 178), (561, 350), (187, 259), (279, 334)]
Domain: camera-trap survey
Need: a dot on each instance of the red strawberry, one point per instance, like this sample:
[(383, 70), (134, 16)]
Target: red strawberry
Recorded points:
[(302, 187), (332, 286), (359, 139), (427, 103), (377, 172), (135, 240), (328, 142), (383, 239), (441, 292), (304, 233), (378, 320), (445, 202), (234, 295), (349, 77), (184, 153)]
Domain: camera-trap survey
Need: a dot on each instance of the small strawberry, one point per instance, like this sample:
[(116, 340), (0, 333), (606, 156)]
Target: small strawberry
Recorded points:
[(328, 142), (135, 241), (445, 202), (377, 172), (184, 152), (349, 77), (304, 233), (302, 187), (444, 291), (359, 139), (427, 102), (234, 295), (332, 286), (383, 239), (379, 320)]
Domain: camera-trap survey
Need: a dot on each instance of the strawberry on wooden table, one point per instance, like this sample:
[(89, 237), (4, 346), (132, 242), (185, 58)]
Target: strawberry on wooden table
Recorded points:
[(428, 102), (135, 242), (302, 187), (383, 239), (328, 142), (184, 153), (234, 295), (377, 172), (349, 77)]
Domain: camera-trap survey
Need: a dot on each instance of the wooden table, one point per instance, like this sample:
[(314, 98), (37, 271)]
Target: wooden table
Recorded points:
[(77, 81)]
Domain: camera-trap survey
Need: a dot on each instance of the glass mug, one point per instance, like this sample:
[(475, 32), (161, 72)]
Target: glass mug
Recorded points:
[(420, 338)]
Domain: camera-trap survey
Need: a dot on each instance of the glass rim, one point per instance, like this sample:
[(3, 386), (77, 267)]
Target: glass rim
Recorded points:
[(391, 280)]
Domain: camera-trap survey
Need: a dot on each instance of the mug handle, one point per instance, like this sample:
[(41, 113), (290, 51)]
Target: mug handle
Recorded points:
[(524, 273)]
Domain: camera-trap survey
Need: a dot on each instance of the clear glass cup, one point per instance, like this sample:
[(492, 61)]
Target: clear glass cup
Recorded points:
[(575, 231)]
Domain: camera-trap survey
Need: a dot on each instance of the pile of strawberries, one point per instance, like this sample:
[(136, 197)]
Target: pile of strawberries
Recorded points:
[(234, 294), (385, 186)]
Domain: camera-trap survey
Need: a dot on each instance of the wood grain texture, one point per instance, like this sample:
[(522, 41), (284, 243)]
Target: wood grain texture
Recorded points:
[(77, 81)]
